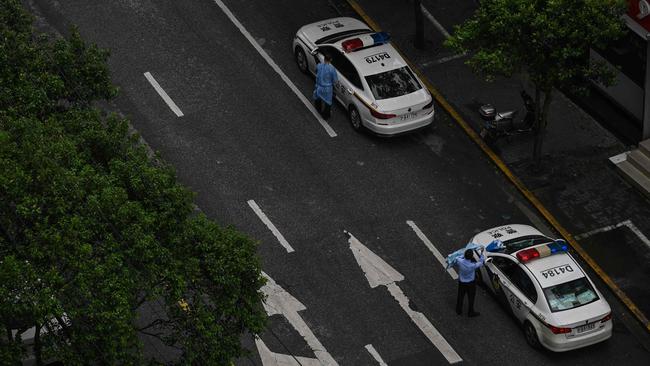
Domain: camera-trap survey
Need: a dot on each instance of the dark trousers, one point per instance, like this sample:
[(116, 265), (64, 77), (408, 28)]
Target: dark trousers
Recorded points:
[(323, 108), (468, 288)]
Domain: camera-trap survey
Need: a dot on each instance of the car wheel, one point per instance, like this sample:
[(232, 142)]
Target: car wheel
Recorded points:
[(531, 335), (301, 59), (355, 119)]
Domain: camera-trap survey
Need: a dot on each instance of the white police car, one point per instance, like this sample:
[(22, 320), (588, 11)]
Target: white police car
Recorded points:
[(547, 291), (376, 86)]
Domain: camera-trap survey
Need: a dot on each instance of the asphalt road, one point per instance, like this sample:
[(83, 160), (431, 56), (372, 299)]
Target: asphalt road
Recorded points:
[(244, 135)]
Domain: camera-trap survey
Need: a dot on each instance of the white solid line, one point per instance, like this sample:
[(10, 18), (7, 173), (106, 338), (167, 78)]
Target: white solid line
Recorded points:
[(434, 22), (375, 354), (424, 324), (269, 224), (644, 239), (163, 94), (638, 233), (432, 248), (442, 60), (600, 230), (275, 67)]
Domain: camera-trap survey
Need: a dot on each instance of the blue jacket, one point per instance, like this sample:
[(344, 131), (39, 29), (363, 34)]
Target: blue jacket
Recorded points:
[(325, 78)]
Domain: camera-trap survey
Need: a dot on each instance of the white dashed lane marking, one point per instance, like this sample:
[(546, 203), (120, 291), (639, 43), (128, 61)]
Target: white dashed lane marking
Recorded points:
[(258, 211), (163, 94)]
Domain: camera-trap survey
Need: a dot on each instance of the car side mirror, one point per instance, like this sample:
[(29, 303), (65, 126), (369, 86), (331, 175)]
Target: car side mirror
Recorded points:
[(488, 260), (314, 52)]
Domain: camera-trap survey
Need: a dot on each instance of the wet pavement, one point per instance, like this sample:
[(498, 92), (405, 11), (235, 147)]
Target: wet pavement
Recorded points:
[(577, 183)]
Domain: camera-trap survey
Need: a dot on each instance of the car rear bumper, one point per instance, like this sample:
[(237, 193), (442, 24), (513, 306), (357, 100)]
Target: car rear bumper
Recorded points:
[(562, 343), (398, 128)]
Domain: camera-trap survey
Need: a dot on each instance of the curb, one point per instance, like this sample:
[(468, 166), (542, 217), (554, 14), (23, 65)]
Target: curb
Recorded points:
[(622, 296)]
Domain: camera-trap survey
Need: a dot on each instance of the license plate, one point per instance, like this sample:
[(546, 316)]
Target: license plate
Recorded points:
[(586, 327), (408, 115)]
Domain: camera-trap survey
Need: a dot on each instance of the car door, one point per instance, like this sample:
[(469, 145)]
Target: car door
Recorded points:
[(349, 81), (505, 274)]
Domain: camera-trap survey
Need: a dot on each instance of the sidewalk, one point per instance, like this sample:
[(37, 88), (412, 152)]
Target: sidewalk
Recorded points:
[(578, 185)]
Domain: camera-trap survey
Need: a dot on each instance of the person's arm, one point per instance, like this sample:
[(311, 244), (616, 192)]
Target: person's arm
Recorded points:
[(481, 261)]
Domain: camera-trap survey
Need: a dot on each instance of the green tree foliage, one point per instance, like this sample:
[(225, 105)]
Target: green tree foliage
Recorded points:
[(99, 245), (549, 40)]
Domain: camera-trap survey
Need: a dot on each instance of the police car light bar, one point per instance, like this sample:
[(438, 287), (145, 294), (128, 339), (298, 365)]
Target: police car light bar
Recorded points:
[(541, 251), (366, 40)]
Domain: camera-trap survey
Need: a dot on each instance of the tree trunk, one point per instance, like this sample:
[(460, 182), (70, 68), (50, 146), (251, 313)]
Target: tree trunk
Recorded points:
[(419, 25), (541, 120), (37, 345)]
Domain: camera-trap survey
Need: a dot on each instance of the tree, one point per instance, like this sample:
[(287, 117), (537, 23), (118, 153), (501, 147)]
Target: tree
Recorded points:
[(99, 244), (549, 40)]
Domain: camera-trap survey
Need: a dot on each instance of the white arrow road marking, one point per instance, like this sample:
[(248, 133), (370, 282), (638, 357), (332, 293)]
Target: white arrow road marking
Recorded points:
[(279, 301), (269, 224), (375, 354), (163, 94), (275, 67), (277, 359), (432, 248), (378, 272)]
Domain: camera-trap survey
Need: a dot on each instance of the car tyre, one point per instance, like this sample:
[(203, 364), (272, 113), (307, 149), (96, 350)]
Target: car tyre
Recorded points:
[(301, 59), (355, 119), (531, 335)]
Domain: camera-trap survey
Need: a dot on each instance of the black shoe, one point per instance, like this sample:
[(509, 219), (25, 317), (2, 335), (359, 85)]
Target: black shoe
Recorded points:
[(473, 314), (459, 312)]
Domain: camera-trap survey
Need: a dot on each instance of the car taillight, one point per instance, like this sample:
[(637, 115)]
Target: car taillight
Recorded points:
[(558, 330), (606, 318), (381, 115), (429, 105)]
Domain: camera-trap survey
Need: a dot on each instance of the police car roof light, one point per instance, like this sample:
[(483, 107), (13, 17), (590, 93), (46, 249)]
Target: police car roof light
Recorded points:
[(527, 254), (352, 44), (558, 247), (365, 40), (380, 37)]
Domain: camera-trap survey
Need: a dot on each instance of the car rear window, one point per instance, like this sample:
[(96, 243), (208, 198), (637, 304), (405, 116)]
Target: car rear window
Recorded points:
[(340, 35), (570, 294), (393, 83), (516, 244)]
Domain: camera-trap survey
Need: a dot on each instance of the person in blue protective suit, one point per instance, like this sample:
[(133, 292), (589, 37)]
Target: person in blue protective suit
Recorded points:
[(467, 267), (324, 91)]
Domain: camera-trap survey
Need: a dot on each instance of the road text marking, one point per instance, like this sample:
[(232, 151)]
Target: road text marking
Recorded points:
[(432, 248), (279, 301), (163, 94), (275, 67), (380, 273), (269, 224), (375, 355)]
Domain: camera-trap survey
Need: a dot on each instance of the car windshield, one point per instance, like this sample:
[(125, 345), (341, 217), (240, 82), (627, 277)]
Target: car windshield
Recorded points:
[(570, 294), (522, 242), (393, 83)]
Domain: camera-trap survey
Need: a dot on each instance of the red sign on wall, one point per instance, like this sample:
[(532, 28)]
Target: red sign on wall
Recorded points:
[(639, 10)]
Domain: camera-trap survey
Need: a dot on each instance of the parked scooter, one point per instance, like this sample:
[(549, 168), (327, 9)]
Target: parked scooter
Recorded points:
[(500, 124)]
